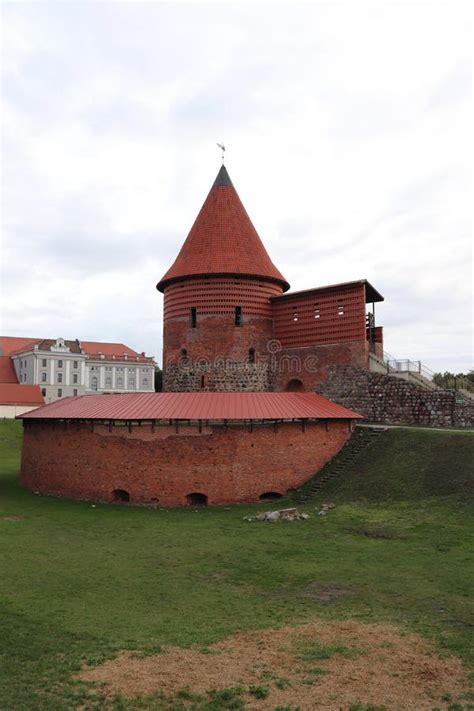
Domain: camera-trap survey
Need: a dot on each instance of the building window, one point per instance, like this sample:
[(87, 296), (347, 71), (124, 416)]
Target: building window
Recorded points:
[(60, 392), (193, 317), (43, 377), (74, 392), (74, 378), (24, 377), (340, 310), (251, 355), (184, 353), (44, 362), (295, 315), (145, 382), (203, 381), (94, 383), (317, 312), (43, 392), (119, 382), (60, 364), (238, 315), (60, 377), (74, 364), (25, 364)]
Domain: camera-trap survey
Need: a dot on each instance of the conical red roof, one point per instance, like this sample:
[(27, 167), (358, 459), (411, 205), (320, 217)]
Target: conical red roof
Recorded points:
[(223, 241)]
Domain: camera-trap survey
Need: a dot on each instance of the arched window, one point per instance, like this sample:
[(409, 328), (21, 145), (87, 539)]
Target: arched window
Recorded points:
[(251, 355), (294, 386), (120, 495), (94, 383), (270, 496), (196, 499), (184, 353)]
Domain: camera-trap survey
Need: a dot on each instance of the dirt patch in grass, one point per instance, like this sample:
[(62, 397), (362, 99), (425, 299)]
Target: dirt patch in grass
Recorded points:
[(12, 518), (315, 666), (326, 593)]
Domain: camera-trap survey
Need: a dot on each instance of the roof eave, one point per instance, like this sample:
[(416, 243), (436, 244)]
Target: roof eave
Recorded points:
[(161, 286)]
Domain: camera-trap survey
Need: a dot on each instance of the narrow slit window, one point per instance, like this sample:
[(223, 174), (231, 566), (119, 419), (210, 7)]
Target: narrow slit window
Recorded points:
[(295, 315), (238, 315), (317, 312), (251, 355), (340, 310), (193, 317)]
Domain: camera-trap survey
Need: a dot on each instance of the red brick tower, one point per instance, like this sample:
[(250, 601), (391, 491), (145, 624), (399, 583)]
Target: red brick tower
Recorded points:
[(217, 310)]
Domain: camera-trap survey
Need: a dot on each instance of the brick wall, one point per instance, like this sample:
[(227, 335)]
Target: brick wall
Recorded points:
[(311, 365), (386, 399), (232, 464), (217, 350)]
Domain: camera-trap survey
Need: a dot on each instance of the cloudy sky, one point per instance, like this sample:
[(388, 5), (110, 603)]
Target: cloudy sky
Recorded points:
[(347, 128)]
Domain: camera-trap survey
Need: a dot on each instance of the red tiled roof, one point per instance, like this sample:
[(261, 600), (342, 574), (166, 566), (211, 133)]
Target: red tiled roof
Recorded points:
[(194, 406), (16, 394), (222, 241), (7, 370), (94, 348), (12, 344)]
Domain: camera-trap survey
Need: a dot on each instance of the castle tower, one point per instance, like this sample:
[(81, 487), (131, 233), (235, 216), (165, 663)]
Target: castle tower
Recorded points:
[(217, 310)]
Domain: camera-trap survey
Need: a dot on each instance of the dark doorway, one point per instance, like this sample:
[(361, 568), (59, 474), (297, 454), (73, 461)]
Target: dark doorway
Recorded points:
[(196, 499), (294, 386), (270, 496), (121, 495)]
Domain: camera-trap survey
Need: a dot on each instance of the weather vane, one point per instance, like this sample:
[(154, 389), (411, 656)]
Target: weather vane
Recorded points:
[(222, 147)]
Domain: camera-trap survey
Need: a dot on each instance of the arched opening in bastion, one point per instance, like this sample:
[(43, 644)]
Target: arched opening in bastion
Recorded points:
[(196, 499), (120, 495), (270, 496), (294, 386)]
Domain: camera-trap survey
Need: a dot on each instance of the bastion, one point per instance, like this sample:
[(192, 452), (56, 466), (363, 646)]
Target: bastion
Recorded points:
[(178, 449)]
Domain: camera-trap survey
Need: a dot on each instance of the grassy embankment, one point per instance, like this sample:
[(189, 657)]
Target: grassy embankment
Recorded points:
[(79, 582)]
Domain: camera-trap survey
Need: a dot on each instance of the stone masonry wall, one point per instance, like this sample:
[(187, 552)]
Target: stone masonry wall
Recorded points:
[(383, 398), (163, 465)]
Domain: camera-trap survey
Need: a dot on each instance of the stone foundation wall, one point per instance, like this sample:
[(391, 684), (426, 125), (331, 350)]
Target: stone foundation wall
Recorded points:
[(163, 465), (386, 399)]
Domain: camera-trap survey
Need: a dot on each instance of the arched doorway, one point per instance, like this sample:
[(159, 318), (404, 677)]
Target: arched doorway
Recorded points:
[(196, 499), (294, 386), (121, 495)]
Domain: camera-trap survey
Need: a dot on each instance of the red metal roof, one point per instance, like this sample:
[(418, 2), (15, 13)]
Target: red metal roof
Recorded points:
[(222, 241), (16, 394), (194, 406), (371, 294)]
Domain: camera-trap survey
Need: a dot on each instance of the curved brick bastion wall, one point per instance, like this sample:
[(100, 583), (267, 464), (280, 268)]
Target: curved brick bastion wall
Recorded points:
[(169, 465)]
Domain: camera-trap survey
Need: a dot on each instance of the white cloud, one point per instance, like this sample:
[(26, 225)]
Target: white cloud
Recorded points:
[(347, 128)]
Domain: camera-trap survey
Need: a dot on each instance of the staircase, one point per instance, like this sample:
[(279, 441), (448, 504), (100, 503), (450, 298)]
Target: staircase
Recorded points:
[(361, 440)]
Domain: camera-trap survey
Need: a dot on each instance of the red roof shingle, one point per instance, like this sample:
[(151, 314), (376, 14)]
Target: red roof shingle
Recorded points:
[(16, 394), (222, 241), (194, 406)]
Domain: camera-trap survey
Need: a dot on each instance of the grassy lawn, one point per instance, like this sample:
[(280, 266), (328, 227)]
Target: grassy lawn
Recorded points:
[(79, 582)]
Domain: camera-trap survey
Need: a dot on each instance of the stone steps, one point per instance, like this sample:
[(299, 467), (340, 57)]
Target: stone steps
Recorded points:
[(359, 443)]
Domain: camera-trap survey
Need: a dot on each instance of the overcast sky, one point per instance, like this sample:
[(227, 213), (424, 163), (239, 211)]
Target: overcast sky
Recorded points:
[(347, 128)]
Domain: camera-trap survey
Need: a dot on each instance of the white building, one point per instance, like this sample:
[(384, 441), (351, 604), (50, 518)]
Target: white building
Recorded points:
[(65, 368)]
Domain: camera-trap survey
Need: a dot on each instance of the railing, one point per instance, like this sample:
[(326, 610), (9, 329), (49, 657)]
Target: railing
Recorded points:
[(404, 365), (410, 366)]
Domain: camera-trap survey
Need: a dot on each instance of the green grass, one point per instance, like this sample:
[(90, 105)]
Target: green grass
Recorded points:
[(78, 583)]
